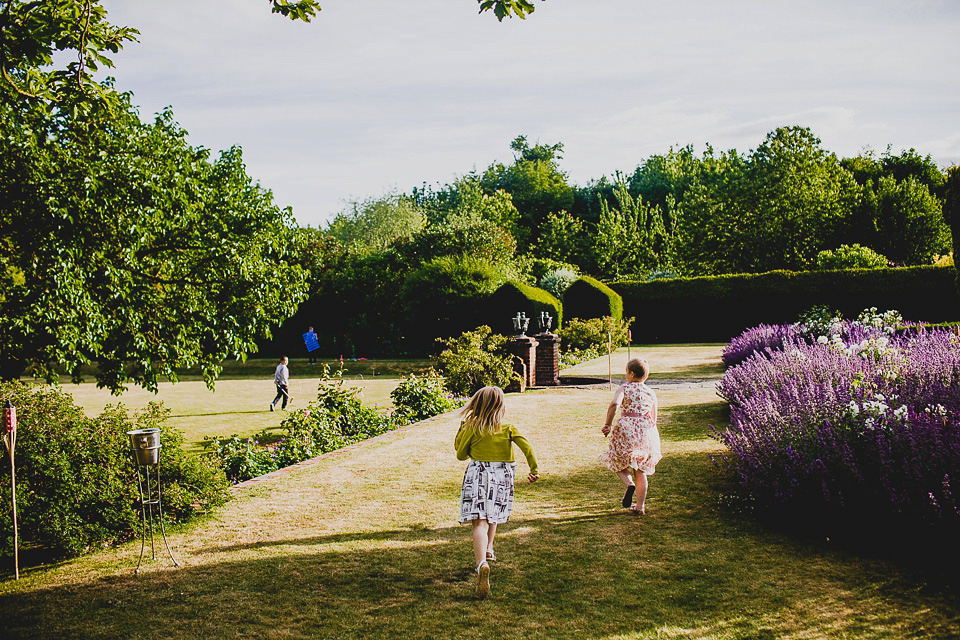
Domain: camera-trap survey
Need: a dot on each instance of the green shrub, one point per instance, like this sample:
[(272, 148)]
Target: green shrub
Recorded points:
[(76, 482), (474, 360), (242, 458), (442, 298), (307, 434), (512, 297), (580, 335), (557, 281), (850, 257), (590, 298), (344, 410), (420, 397), (537, 267)]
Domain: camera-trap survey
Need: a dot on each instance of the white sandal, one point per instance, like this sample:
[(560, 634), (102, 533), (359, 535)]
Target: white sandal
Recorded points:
[(483, 579)]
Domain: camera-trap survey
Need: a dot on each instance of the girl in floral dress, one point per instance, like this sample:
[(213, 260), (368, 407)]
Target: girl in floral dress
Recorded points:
[(634, 449)]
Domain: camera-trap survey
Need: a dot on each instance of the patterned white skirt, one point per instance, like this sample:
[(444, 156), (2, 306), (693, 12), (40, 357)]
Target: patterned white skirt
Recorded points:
[(487, 492)]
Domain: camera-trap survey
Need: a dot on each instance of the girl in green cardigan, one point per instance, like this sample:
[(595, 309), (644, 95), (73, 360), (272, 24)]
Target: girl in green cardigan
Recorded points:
[(486, 498)]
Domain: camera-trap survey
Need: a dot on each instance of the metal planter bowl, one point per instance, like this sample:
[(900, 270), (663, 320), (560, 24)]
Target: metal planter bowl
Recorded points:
[(146, 445)]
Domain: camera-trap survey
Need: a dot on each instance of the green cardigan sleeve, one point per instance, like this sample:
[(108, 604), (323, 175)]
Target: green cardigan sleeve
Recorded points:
[(526, 449), (462, 443)]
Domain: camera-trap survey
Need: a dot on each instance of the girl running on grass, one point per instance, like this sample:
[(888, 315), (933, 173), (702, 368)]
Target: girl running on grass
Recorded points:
[(486, 499), (634, 449)]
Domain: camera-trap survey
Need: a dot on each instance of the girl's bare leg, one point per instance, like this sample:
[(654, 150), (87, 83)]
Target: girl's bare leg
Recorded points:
[(481, 538), (491, 533), (641, 482)]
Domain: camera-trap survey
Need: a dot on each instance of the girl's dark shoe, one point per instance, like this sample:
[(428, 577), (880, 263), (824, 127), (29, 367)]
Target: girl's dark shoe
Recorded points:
[(628, 497)]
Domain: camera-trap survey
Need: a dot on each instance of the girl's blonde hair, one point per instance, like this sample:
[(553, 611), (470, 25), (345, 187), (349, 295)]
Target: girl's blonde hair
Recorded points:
[(484, 412)]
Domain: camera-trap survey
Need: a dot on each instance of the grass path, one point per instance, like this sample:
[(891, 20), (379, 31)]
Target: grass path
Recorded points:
[(363, 543)]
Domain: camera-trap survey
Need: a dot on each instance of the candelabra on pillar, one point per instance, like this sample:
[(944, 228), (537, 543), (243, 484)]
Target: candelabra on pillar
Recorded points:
[(525, 349)]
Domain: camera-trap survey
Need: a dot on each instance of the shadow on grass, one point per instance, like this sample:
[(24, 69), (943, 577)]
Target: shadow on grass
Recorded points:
[(692, 421), (204, 414), (587, 571), (694, 371)]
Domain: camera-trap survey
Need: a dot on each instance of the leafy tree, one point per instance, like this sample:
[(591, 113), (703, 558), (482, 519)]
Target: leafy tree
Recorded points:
[(465, 202), (911, 164), (909, 224), (355, 307), (900, 208), (630, 239), (376, 223), (503, 8), (535, 182), (663, 180), (775, 208), (586, 199), (461, 237), (563, 238), (126, 247), (315, 251)]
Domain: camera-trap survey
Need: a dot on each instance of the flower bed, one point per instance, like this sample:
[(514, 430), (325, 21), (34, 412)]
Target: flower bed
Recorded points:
[(861, 421)]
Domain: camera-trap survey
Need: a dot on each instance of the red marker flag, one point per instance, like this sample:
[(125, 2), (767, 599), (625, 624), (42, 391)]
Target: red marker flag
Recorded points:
[(9, 418)]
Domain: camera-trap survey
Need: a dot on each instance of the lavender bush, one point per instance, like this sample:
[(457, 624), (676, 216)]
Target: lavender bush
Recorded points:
[(863, 422), (760, 339), (817, 324)]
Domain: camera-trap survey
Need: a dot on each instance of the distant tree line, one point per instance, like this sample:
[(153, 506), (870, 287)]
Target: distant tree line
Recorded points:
[(388, 262)]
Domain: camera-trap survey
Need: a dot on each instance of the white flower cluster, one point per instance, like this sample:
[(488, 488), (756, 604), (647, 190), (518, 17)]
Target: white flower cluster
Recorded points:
[(936, 410), (836, 343), (888, 320), (874, 409), (872, 348)]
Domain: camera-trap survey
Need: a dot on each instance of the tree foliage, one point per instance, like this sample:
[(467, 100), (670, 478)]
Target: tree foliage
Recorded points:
[(775, 208), (126, 247), (631, 238), (535, 182), (375, 223)]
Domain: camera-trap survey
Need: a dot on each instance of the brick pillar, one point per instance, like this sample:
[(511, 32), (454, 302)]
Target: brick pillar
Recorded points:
[(525, 348), (548, 359)]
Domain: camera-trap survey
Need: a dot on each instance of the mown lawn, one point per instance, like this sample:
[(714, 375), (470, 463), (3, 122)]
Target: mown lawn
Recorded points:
[(364, 543), (239, 402)]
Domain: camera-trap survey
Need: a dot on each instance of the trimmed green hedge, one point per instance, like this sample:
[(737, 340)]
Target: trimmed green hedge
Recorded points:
[(718, 308), (504, 303), (589, 298)]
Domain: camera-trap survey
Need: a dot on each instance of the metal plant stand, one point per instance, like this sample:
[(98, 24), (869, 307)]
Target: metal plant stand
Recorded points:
[(145, 444)]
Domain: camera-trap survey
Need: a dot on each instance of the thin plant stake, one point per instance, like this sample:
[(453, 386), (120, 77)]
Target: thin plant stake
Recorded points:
[(609, 359), (10, 439)]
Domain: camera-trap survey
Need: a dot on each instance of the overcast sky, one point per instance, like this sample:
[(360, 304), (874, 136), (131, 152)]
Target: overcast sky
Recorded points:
[(381, 95)]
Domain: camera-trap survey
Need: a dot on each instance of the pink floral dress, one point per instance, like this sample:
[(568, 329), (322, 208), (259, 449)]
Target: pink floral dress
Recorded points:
[(634, 438)]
